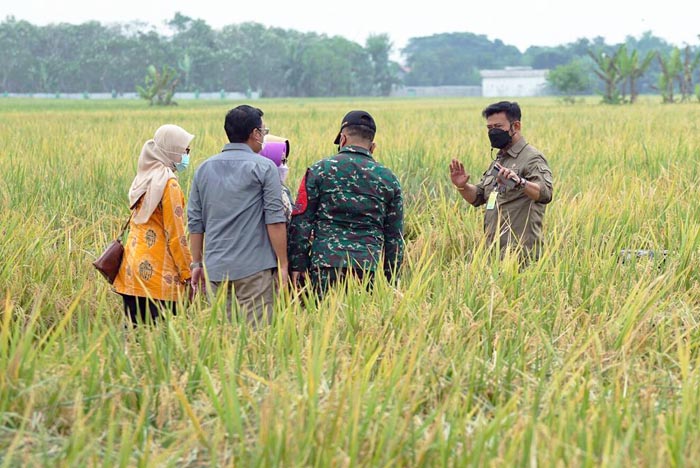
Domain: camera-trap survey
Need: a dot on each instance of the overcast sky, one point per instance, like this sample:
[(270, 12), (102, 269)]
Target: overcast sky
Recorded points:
[(519, 23)]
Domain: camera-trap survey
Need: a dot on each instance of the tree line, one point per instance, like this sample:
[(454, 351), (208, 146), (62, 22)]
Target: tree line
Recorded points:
[(92, 57), (95, 57), (620, 72)]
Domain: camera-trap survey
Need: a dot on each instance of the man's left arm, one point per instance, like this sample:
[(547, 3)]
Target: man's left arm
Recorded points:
[(538, 180), (275, 219), (393, 235), (278, 238), (301, 226)]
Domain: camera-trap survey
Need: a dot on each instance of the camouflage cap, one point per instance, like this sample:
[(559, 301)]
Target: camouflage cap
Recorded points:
[(356, 117)]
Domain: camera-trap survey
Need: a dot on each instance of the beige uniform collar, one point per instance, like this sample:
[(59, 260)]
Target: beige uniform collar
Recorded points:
[(517, 148)]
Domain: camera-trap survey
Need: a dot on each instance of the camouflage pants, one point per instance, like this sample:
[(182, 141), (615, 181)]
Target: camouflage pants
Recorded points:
[(322, 279)]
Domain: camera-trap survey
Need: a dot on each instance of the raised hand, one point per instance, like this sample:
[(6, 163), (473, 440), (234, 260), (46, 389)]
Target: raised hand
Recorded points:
[(458, 175)]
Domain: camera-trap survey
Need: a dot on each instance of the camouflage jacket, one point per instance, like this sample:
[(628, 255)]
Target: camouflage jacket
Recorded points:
[(349, 211)]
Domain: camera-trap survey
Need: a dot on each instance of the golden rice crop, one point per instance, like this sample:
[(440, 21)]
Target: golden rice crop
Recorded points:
[(577, 360)]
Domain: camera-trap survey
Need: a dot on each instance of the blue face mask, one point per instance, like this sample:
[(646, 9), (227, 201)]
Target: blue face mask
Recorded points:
[(182, 165)]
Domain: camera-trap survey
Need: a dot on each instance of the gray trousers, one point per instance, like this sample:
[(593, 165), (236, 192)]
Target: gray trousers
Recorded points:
[(255, 295)]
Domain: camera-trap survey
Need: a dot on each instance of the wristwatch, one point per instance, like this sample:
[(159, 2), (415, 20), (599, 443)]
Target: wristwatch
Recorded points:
[(522, 183), (194, 265)]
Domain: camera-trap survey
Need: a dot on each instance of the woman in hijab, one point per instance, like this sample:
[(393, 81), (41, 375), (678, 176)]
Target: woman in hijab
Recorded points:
[(276, 149), (156, 265)]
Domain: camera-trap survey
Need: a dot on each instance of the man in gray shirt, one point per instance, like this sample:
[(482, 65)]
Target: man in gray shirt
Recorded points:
[(236, 202)]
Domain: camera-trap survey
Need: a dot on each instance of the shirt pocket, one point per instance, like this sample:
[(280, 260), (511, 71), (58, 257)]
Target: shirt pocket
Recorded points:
[(546, 173), (489, 185)]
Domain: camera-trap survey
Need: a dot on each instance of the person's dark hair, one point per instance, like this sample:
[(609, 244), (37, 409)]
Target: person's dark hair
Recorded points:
[(512, 110), (360, 131), (240, 121)]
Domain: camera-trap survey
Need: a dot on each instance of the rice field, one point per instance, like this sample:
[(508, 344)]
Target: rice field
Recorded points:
[(578, 360)]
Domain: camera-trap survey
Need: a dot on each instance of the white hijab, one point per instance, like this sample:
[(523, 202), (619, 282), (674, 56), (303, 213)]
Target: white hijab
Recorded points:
[(157, 166)]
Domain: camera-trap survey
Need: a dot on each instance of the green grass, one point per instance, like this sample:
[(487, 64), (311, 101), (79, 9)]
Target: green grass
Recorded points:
[(578, 360)]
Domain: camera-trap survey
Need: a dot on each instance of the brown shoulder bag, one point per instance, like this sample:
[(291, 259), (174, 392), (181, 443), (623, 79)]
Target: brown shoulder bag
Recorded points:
[(111, 259)]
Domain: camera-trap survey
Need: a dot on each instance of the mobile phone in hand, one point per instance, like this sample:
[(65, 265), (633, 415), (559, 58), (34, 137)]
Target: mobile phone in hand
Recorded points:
[(510, 183)]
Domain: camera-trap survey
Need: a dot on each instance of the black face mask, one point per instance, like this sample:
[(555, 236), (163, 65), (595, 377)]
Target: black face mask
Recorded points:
[(499, 138)]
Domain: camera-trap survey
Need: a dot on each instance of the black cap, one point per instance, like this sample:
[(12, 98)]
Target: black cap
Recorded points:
[(356, 117)]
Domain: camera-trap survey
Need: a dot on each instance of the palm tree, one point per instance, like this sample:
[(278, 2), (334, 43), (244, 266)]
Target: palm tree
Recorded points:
[(607, 71), (690, 64), (671, 68), (631, 69)]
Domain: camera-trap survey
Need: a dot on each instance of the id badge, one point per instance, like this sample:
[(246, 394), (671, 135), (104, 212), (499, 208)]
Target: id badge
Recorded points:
[(491, 203)]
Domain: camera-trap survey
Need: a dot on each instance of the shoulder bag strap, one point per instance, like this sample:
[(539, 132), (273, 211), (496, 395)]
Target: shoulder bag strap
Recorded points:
[(126, 225)]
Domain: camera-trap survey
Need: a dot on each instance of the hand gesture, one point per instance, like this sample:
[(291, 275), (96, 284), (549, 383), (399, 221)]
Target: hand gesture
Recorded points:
[(198, 283), (297, 277), (458, 175), (505, 175)]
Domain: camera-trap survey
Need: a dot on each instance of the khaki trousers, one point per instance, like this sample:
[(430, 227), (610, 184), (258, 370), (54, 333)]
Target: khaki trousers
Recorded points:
[(254, 295)]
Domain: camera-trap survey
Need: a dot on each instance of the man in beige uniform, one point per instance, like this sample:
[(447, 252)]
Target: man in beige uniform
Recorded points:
[(516, 187)]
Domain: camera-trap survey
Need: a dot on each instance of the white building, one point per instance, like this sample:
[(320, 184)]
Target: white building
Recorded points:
[(513, 82), (436, 91)]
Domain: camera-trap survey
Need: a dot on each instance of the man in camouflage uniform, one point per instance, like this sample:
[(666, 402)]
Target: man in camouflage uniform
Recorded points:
[(348, 214), (517, 191)]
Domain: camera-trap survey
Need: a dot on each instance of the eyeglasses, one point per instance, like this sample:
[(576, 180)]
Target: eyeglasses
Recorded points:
[(264, 130)]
